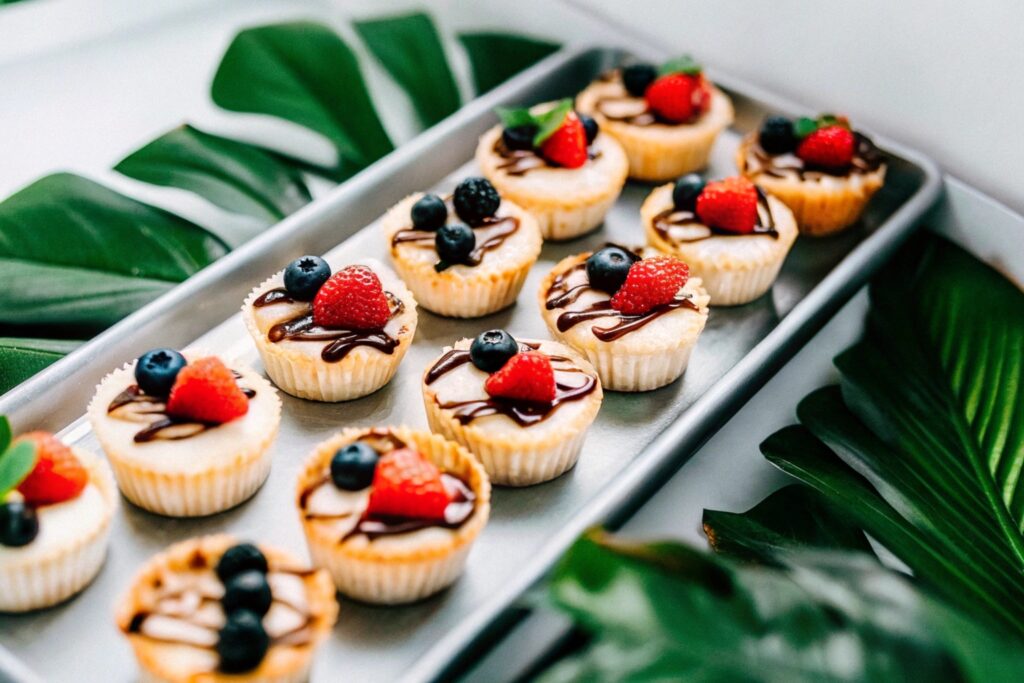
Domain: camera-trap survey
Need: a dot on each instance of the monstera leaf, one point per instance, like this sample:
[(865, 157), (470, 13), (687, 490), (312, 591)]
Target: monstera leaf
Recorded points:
[(496, 57)]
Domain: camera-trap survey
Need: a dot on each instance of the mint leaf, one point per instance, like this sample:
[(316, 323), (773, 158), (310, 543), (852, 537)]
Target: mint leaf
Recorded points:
[(551, 120), (804, 126), (510, 118), (15, 464), (5, 433), (681, 65)]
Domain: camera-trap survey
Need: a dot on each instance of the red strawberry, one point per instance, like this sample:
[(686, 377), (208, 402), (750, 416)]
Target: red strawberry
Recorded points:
[(352, 298), (729, 204), (525, 377), (405, 484), (678, 97), (206, 391), (829, 147), (57, 476), (567, 146), (650, 282)]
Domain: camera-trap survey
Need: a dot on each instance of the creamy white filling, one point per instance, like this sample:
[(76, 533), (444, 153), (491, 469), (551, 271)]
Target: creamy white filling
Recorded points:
[(61, 525)]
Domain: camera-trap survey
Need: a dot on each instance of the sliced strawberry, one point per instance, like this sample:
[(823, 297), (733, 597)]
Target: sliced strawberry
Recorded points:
[(678, 97), (650, 282), (58, 475), (729, 204), (352, 298), (828, 147), (206, 391), (405, 484), (525, 377), (567, 146)]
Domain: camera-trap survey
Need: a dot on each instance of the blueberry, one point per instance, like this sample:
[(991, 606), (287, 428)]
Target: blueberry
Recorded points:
[(608, 267), (242, 642), (519, 137), (636, 78), (304, 277), (240, 558), (247, 590), (776, 135), (157, 369), (590, 126), (353, 466), (18, 524), (492, 349), (475, 199), (429, 212), (454, 242), (686, 191)]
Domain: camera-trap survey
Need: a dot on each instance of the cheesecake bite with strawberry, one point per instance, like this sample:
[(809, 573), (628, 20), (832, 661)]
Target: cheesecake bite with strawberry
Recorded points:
[(56, 503), (731, 234), (824, 170), (522, 407), (331, 336), (464, 255), (634, 314), (391, 512), (214, 610), (186, 434), (555, 163), (666, 117)]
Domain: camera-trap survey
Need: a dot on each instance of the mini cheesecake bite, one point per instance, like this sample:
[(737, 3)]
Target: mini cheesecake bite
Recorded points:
[(214, 610), (556, 164), (665, 117), (391, 512), (522, 407), (187, 435), (329, 336), (730, 233), (822, 169), (465, 255)]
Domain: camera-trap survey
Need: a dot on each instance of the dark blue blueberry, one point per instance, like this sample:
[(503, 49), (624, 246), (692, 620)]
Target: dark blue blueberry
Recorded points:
[(637, 77), (352, 467), (429, 212), (239, 558), (247, 590), (492, 349), (304, 277), (454, 242), (242, 642), (589, 126), (776, 135), (686, 191), (19, 524), (607, 268), (519, 137), (156, 371), (475, 199)]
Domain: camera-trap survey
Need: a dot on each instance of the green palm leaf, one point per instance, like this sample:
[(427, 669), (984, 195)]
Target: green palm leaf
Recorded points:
[(496, 57), (21, 358)]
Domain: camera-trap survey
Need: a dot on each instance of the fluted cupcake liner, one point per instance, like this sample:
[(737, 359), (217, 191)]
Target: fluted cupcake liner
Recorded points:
[(469, 297), (565, 222)]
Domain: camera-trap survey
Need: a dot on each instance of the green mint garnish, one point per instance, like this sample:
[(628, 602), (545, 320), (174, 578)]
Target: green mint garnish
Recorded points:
[(681, 65), (804, 126), (15, 464), (551, 120), (512, 118)]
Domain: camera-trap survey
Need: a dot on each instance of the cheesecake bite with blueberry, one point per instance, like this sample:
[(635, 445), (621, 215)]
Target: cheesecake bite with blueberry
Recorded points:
[(186, 434), (331, 336), (556, 164), (824, 170), (666, 118), (635, 315), (391, 512), (465, 255), (56, 503), (731, 233), (522, 407), (214, 610)]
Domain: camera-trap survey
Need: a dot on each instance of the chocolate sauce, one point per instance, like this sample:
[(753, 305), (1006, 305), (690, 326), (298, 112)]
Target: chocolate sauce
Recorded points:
[(519, 162), (273, 296), (491, 233), (633, 110), (867, 158), (672, 217)]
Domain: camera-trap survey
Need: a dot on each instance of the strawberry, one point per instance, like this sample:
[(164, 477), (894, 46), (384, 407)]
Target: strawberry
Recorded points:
[(206, 391), (405, 484), (650, 282), (567, 146), (57, 475), (352, 298), (525, 377), (678, 97), (828, 147), (729, 204)]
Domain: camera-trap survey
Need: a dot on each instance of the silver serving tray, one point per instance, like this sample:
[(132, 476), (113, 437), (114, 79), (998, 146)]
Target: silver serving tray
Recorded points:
[(637, 441)]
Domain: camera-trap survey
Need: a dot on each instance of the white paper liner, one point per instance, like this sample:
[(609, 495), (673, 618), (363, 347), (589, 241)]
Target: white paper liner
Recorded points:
[(456, 298)]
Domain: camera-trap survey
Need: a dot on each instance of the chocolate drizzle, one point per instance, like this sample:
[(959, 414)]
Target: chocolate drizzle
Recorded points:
[(624, 107), (867, 158), (519, 162), (697, 231)]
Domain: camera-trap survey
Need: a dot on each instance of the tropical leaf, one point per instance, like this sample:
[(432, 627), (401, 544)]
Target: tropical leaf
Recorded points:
[(22, 358), (15, 464), (496, 57), (409, 47)]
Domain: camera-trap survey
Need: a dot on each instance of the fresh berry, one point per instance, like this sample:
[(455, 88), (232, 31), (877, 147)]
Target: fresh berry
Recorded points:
[(352, 467), (519, 137), (638, 77), (776, 135), (729, 204), (686, 191), (678, 97), (454, 243), (828, 147), (206, 391), (475, 199), (242, 642), (492, 349), (567, 146), (651, 282), (406, 484), (57, 475), (239, 558), (429, 212), (19, 524), (352, 298), (607, 268), (247, 590), (156, 370), (304, 277), (590, 127), (525, 377)]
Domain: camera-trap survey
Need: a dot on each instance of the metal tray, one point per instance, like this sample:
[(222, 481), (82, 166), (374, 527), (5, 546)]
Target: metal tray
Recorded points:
[(636, 442)]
